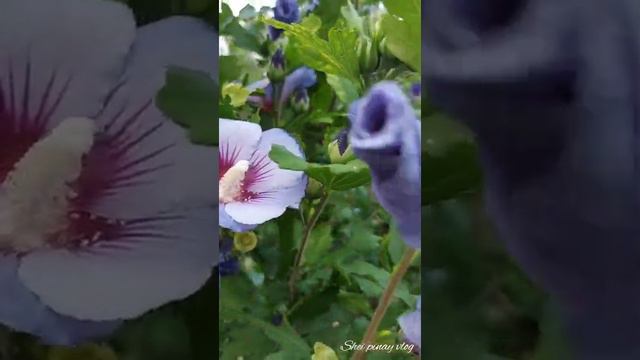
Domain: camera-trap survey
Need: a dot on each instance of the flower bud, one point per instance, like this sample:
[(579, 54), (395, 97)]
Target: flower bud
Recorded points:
[(314, 188), (367, 55), (339, 150), (300, 101), (277, 67), (245, 241), (382, 47)]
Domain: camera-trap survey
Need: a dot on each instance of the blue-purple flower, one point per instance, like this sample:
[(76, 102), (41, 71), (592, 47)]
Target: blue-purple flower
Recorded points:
[(98, 222), (411, 325), (298, 81), (252, 188), (286, 11), (385, 133)]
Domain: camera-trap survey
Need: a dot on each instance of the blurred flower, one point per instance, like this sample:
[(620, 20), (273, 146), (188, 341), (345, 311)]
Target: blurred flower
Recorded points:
[(411, 325), (229, 264), (416, 89), (98, 221), (245, 241), (300, 79), (385, 133), (286, 11), (252, 188)]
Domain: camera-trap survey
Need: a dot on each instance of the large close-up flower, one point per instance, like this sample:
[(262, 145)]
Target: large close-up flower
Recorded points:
[(106, 208), (385, 133), (252, 188)]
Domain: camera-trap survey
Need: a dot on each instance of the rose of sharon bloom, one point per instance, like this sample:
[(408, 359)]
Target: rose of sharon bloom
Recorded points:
[(106, 208), (252, 188), (385, 133), (411, 325), (286, 11)]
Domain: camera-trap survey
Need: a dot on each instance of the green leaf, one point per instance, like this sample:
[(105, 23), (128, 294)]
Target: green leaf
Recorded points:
[(241, 37), (402, 27), (335, 56), (319, 245), (282, 335), (333, 176), (344, 88), (287, 160), (188, 98)]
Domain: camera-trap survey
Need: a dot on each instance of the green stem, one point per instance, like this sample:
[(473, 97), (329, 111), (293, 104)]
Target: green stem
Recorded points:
[(303, 245), (385, 300)]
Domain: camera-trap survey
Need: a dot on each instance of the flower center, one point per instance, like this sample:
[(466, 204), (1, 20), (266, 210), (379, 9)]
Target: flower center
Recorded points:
[(34, 198), (230, 186)]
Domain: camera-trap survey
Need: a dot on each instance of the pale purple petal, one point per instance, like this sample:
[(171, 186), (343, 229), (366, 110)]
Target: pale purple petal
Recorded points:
[(271, 177), (227, 222), (238, 140), (60, 58), (299, 79), (385, 133), (271, 206), (140, 153), (22, 311), (411, 325), (149, 263)]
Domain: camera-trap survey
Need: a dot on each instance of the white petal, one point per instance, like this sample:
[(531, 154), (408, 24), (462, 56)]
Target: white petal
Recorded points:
[(160, 169), (51, 42), (158, 262), (238, 139), (275, 177)]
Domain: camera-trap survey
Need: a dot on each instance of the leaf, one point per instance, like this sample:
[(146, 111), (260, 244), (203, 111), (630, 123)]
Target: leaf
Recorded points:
[(241, 37), (354, 20), (335, 56), (189, 98), (402, 27), (319, 245), (338, 177), (344, 88), (283, 336)]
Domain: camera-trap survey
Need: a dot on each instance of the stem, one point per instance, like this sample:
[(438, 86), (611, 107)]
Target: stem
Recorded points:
[(385, 300), (303, 245)]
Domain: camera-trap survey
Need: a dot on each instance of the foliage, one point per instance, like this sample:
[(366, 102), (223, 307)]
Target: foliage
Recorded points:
[(291, 312)]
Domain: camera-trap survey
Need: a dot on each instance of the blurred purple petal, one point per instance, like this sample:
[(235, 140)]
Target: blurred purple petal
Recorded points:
[(300, 79), (22, 311), (286, 11), (385, 133), (411, 325)]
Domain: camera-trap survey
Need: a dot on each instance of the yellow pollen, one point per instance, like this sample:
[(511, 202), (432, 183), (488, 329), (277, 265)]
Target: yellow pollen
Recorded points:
[(230, 185)]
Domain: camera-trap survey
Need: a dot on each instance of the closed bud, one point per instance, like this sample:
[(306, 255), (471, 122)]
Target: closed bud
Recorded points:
[(245, 241), (300, 101), (277, 67), (367, 55), (382, 47), (339, 150), (314, 188)]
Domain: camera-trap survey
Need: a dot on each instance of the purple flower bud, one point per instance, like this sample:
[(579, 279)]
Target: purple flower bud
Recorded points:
[(416, 89), (286, 11), (385, 133), (277, 70), (300, 100), (229, 265)]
